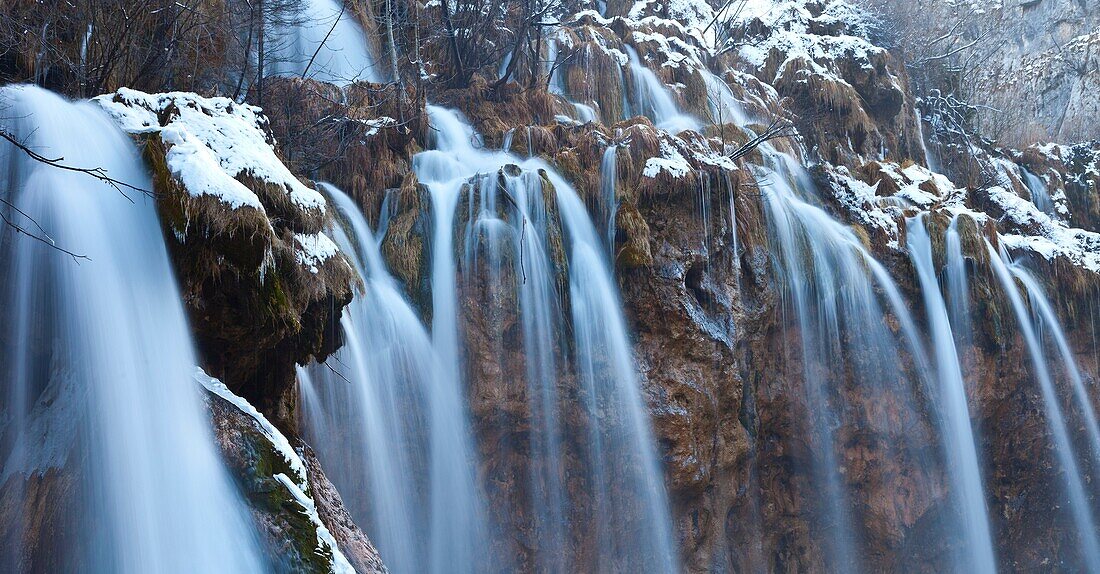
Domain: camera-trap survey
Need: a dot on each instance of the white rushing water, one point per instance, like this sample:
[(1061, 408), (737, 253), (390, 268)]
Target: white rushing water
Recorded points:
[(825, 269), (390, 427), (105, 359), (1040, 195), (958, 287), (508, 214), (930, 159), (1079, 508), (832, 282), (957, 438), (609, 201), (582, 111), (725, 108), (324, 42), (1047, 323), (652, 99)]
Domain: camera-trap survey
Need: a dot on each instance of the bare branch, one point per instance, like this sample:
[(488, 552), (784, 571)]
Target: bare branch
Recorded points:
[(777, 129), (96, 172)]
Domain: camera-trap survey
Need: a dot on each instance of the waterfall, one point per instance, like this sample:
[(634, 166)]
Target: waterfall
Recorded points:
[(323, 41), (930, 160), (508, 243), (1040, 195), (953, 411), (958, 287), (1047, 320), (651, 99), (724, 107), (735, 248), (392, 438), (1075, 488), (830, 279), (584, 112), (609, 201), (99, 384)]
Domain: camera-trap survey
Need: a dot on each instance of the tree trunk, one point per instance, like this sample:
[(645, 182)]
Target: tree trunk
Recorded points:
[(395, 74), (261, 23)]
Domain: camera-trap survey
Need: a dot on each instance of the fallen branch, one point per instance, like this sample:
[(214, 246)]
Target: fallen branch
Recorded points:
[(777, 129)]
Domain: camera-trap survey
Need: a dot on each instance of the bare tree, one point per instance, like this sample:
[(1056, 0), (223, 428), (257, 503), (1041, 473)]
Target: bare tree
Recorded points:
[(86, 47)]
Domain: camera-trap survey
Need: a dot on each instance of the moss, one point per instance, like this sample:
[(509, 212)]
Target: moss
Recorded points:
[(864, 237), (590, 74), (279, 206), (403, 247), (240, 235), (260, 463), (937, 223), (972, 239), (632, 238), (275, 306), (695, 95)]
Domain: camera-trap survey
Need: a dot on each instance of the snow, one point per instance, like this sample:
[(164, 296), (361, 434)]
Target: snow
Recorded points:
[(862, 203), (788, 26), (788, 36), (297, 486), (673, 50), (594, 15), (233, 133), (1024, 227), (314, 249), (340, 564), (670, 161), (375, 125), (615, 53), (281, 444), (200, 173), (1054, 238)]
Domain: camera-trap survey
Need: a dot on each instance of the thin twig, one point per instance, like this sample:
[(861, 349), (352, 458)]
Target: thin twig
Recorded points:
[(96, 172), (43, 238)]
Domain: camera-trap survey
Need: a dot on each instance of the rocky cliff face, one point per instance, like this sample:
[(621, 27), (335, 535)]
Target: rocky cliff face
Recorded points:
[(716, 342), (741, 409), (1030, 67), (302, 521), (263, 284)]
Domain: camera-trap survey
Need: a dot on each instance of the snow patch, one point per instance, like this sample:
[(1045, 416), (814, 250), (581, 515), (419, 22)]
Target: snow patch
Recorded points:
[(200, 173), (1049, 237), (340, 564), (314, 249), (670, 161), (281, 444), (297, 486), (234, 134)]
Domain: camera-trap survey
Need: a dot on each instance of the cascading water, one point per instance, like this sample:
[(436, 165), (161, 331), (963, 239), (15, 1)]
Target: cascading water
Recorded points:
[(957, 433), (609, 202), (930, 160), (520, 236), (958, 287), (1040, 195), (651, 99), (584, 112), (1079, 507), (323, 42), (1047, 323), (830, 280), (725, 108), (391, 430), (99, 383), (509, 221)]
